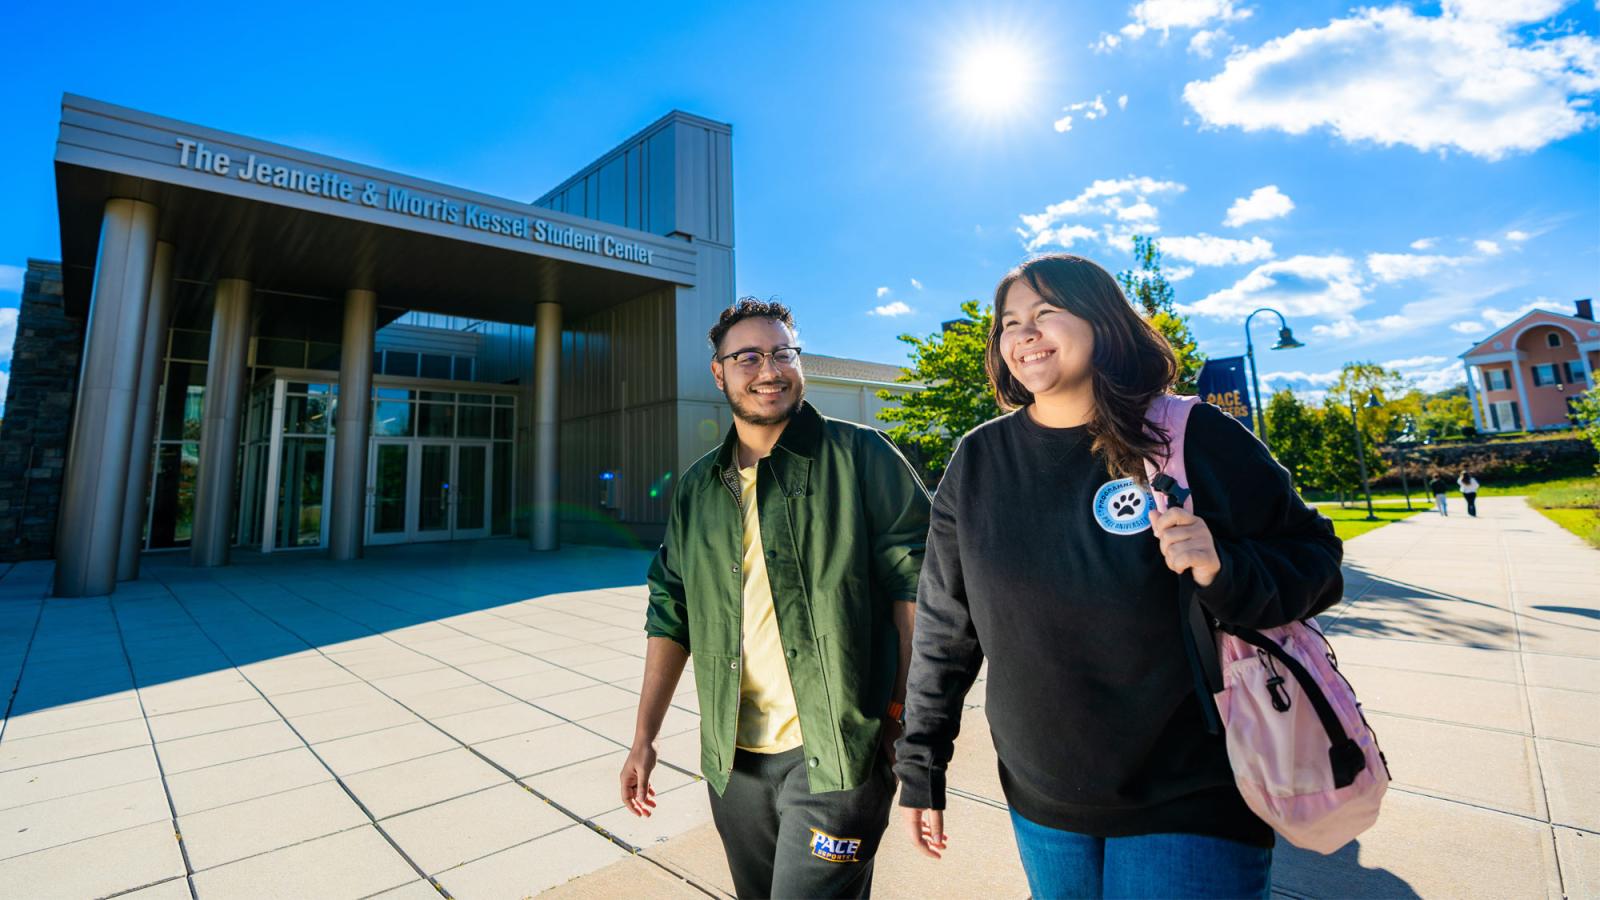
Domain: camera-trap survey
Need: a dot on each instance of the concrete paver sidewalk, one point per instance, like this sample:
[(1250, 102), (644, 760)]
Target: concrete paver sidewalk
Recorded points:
[(450, 718)]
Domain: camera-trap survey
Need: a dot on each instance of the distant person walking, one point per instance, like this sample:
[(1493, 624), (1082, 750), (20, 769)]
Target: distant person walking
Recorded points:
[(1440, 489), (1469, 490)]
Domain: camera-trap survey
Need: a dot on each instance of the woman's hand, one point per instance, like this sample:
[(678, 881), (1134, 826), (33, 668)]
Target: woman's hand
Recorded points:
[(1186, 543), (927, 830)]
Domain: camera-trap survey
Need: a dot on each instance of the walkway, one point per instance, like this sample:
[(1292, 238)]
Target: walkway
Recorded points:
[(453, 717)]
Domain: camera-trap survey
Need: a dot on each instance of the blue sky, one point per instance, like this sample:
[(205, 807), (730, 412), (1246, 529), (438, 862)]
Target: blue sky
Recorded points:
[(1399, 179)]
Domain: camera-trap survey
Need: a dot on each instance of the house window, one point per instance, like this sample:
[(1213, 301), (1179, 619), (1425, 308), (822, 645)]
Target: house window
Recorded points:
[(1497, 379), (1553, 339), (1503, 416), (1545, 374), (1575, 372)]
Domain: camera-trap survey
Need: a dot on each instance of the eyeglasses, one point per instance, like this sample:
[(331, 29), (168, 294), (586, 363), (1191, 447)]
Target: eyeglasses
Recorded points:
[(751, 360)]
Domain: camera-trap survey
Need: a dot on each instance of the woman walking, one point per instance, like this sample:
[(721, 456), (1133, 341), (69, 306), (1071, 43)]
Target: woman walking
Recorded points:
[(1044, 557), (1469, 490)]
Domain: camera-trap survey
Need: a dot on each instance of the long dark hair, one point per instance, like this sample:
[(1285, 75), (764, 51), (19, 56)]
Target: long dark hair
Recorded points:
[(1132, 363)]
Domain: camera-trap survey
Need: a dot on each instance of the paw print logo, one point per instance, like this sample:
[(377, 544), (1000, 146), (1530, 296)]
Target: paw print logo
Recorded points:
[(1126, 504)]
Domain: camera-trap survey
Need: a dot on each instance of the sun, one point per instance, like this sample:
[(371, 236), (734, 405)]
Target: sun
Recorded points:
[(994, 77)]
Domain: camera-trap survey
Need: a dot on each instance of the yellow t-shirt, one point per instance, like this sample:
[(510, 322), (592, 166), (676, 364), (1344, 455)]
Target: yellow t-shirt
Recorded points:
[(768, 719)]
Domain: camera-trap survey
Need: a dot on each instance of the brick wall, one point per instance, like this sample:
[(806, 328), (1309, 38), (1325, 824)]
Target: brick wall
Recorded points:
[(38, 416)]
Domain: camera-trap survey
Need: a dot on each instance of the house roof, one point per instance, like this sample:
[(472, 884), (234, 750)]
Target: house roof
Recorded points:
[(1588, 331), (817, 364)]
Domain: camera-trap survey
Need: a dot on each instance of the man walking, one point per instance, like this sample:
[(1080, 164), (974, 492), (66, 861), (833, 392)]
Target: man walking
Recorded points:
[(1441, 494), (789, 573)]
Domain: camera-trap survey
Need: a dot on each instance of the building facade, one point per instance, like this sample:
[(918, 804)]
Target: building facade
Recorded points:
[(1526, 376), (249, 347)]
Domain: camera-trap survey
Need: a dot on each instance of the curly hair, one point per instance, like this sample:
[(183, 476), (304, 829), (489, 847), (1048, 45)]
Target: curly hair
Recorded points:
[(748, 308), (1132, 363)]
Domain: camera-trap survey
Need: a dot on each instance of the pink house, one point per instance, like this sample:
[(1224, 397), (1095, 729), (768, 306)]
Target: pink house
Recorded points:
[(1525, 375)]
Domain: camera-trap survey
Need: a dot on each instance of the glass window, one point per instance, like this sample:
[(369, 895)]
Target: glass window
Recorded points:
[(434, 420), (1553, 339), (278, 352), (463, 368), (300, 479), (502, 424), (437, 396), (1545, 374), (500, 505), (474, 398), (398, 362), (391, 418), (306, 415), (322, 356), (504, 400), (172, 506), (391, 394), (473, 421), (184, 402), (435, 366), (192, 345), (1575, 372)]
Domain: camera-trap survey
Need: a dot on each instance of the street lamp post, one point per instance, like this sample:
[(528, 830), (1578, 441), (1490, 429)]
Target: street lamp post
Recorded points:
[(1286, 341), (1361, 453)]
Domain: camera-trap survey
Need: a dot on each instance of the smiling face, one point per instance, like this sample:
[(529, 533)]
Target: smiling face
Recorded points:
[(767, 393), (1046, 349)]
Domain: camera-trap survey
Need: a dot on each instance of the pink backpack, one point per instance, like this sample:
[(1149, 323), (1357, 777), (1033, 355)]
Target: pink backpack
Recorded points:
[(1302, 753)]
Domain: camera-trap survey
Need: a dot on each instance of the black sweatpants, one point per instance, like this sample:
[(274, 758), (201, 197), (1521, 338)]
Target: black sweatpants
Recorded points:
[(784, 841), (1472, 504)]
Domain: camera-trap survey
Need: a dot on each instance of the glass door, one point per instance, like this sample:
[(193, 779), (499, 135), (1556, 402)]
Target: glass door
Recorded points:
[(434, 499), (471, 491), (388, 487)]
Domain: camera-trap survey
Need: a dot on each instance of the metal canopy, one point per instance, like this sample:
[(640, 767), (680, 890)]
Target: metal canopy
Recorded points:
[(295, 242)]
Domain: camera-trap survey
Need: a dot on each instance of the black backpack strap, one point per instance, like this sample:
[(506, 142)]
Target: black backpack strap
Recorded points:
[(1200, 643)]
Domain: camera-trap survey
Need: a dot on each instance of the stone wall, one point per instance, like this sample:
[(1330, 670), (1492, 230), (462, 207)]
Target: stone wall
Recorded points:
[(38, 416)]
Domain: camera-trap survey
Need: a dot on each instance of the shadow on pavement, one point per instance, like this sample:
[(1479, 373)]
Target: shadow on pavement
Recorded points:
[(1303, 872)]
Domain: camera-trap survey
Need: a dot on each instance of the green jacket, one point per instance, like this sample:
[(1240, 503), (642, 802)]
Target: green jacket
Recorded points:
[(843, 520)]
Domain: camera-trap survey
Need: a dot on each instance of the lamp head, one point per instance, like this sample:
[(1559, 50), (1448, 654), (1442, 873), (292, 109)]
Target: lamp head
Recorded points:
[(1286, 340)]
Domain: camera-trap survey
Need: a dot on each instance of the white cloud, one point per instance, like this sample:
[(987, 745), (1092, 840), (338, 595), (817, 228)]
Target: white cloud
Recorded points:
[(1289, 379), (1326, 286), (883, 292), (1090, 109), (8, 336), (1391, 267), (1204, 43), (1500, 318), (1121, 200), (1122, 102), (11, 279), (5, 384), (916, 284), (1517, 237), (1487, 248), (1263, 203), (1424, 243), (897, 308), (1106, 44), (1206, 250), (1465, 79), (1413, 362), (1350, 327), (1468, 328), (1166, 15), (1179, 273), (1439, 378)]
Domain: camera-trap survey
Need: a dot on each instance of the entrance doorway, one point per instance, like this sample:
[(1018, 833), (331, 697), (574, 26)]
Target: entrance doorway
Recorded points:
[(428, 490)]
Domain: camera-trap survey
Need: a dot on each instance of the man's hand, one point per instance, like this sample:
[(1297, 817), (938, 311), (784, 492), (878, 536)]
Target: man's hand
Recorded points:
[(927, 830), (891, 732), (637, 794), (1186, 543)]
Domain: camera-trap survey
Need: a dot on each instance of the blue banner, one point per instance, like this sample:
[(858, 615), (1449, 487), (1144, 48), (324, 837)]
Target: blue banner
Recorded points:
[(1223, 383)]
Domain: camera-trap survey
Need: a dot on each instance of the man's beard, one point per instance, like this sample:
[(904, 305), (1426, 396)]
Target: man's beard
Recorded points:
[(745, 413)]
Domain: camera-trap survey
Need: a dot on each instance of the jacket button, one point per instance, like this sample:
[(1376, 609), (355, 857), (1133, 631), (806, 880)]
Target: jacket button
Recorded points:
[(793, 653), (735, 568), (772, 554), (733, 664), (814, 762)]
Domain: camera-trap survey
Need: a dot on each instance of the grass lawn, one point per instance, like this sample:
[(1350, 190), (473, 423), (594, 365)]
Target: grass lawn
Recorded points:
[(1420, 497), (1349, 523), (1572, 503)]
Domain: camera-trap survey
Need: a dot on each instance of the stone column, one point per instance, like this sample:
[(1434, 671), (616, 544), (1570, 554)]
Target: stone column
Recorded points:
[(157, 320), (347, 528), (1473, 398), (544, 533), (95, 484), (1522, 391), (219, 425)]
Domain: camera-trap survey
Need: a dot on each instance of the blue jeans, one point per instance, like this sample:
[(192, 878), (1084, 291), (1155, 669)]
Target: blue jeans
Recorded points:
[(1066, 864)]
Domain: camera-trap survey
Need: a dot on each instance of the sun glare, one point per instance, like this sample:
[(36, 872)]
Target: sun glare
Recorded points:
[(994, 78)]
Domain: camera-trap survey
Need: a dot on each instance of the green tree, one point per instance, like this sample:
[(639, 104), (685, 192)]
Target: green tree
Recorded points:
[(956, 399), (1295, 437), (1445, 416), (1339, 466), (1149, 291), (1588, 412)]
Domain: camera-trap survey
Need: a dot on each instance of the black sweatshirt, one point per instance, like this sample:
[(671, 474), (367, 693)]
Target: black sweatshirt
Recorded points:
[(1038, 561)]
